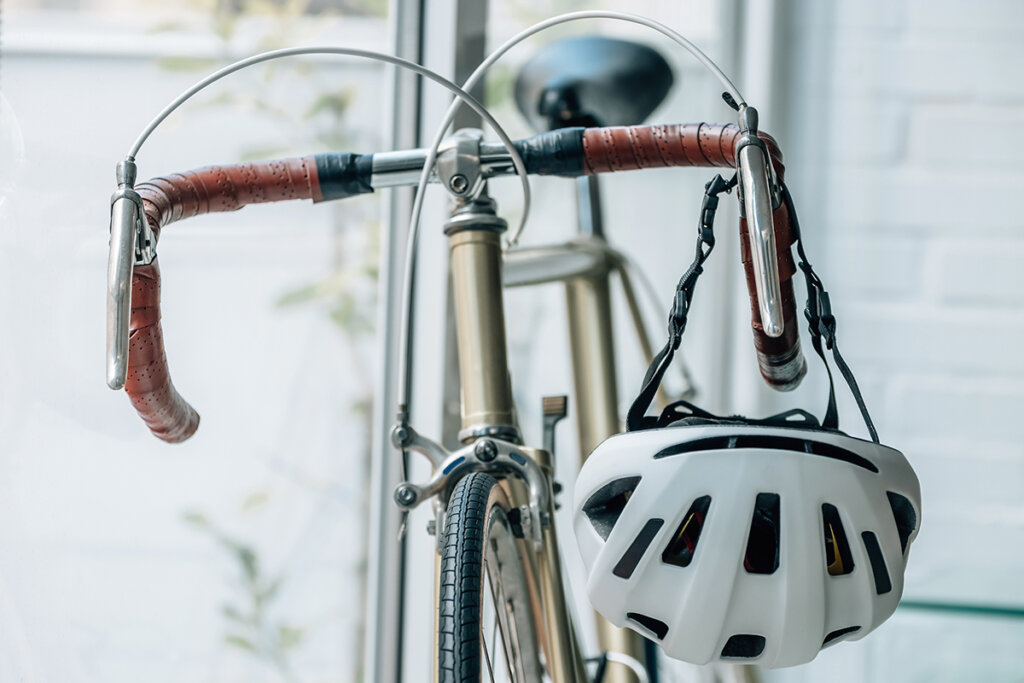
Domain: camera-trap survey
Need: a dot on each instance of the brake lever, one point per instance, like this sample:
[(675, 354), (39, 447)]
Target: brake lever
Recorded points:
[(132, 243), (759, 202)]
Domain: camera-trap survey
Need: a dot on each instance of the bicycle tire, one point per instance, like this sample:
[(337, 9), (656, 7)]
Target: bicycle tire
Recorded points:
[(481, 551)]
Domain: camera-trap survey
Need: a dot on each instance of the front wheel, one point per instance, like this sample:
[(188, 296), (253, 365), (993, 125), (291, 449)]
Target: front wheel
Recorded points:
[(486, 621)]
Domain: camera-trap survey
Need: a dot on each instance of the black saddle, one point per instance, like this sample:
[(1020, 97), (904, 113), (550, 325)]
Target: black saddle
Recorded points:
[(591, 81)]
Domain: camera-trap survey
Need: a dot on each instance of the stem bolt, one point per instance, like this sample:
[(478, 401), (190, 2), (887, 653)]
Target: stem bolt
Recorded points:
[(485, 450), (458, 183)]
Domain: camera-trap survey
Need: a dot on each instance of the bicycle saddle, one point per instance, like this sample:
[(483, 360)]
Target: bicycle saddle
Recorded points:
[(591, 81)]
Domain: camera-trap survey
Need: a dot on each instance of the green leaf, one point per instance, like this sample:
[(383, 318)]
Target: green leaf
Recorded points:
[(348, 316), (268, 593), (249, 561), (167, 27), (182, 63), (255, 500), (231, 612), (241, 642), (298, 296), (224, 26), (499, 86), (372, 8), (334, 103), (196, 519), (225, 99), (289, 636)]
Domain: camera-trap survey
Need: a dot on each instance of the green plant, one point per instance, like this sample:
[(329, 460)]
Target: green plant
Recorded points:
[(347, 293), (251, 624)]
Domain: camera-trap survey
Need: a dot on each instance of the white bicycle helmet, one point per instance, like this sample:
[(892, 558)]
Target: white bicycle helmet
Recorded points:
[(752, 541), (745, 543)]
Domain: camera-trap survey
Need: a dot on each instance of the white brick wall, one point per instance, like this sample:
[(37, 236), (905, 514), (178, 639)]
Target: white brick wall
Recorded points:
[(904, 153)]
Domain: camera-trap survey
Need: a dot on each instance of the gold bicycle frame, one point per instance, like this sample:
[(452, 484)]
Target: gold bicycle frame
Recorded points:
[(591, 344), (487, 407)]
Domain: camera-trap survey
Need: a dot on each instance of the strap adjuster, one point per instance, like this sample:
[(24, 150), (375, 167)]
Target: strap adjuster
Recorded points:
[(681, 306), (636, 419), (819, 316)]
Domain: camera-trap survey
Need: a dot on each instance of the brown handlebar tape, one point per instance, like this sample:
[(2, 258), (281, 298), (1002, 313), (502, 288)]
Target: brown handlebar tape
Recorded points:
[(712, 145), (628, 148), (172, 198), (148, 384)]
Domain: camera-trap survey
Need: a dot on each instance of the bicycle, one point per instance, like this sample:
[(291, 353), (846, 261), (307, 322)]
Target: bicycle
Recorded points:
[(500, 567)]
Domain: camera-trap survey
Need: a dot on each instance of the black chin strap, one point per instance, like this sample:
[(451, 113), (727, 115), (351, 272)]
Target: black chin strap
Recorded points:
[(636, 418), (821, 323), (822, 326)]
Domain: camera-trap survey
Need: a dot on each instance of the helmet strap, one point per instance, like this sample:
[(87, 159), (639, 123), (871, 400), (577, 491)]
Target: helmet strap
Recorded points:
[(636, 418), (821, 323)]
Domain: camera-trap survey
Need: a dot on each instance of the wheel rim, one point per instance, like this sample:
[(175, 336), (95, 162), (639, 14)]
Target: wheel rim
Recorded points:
[(505, 619)]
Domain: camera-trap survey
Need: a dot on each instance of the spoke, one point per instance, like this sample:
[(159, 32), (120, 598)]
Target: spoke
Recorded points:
[(487, 656), (499, 607), (494, 631), (500, 603)]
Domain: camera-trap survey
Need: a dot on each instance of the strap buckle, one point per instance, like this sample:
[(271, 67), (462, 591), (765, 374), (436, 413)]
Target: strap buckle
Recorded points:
[(819, 313), (709, 206)]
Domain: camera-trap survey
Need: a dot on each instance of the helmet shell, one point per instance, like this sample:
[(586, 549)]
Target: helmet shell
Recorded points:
[(803, 543)]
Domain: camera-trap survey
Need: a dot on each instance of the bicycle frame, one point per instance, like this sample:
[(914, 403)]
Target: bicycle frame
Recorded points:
[(488, 410), (585, 267), (489, 426)]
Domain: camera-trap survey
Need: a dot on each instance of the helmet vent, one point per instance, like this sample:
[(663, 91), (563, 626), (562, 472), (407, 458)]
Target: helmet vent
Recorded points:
[(839, 633), (838, 560), (604, 507), (743, 646), (683, 545), (715, 443), (906, 518), (655, 626), (766, 441), (631, 558), (882, 582), (762, 556)]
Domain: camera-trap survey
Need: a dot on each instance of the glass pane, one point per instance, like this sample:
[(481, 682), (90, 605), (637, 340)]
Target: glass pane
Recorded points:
[(240, 554)]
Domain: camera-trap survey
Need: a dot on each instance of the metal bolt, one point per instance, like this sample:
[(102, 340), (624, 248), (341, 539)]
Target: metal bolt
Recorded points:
[(485, 450), (399, 436), (405, 495), (458, 183)]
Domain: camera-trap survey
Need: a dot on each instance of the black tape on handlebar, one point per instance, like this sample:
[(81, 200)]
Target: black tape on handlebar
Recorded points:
[(559, 152), (344, 174)]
